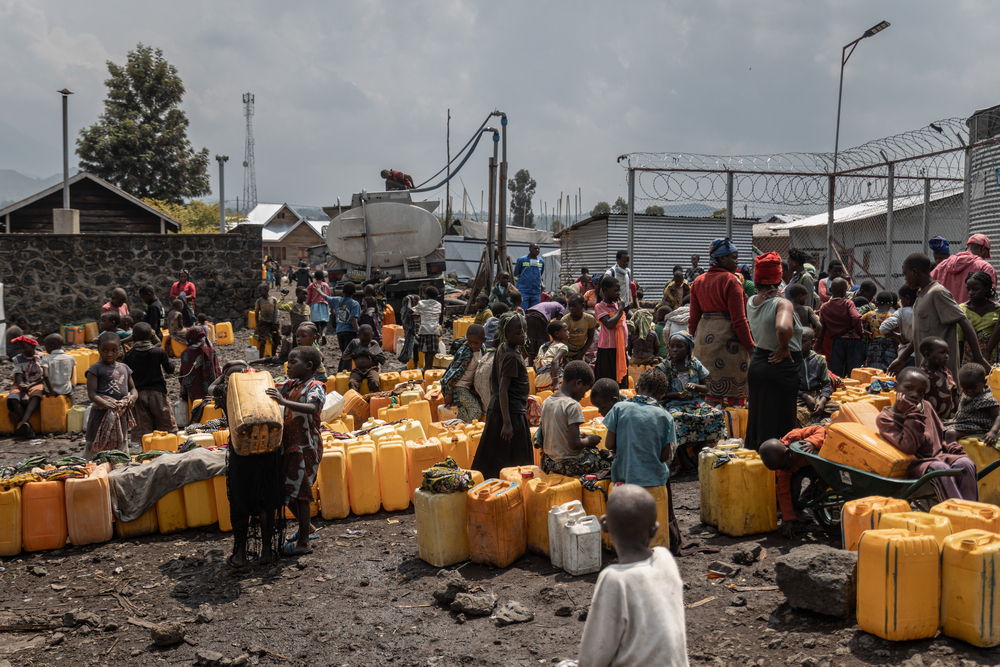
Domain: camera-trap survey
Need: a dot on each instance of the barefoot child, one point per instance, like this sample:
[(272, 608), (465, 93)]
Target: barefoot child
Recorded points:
[(791, 470), (913, 427), (112, 395), (978, 411), (637, 611), (302, 397), (298, 310), (430, 312), (29, 386), (566, 451), (149, 363), (612, 338), (551, 357), (319, 308), (266, 311), (457, 383), (367, 356)]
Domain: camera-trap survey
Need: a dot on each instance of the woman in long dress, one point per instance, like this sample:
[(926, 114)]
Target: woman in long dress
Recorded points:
[(773, 377), (718, 323)]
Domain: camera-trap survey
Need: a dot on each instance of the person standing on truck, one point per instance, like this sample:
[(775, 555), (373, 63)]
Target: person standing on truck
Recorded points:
[(397, 180), (528, 271)]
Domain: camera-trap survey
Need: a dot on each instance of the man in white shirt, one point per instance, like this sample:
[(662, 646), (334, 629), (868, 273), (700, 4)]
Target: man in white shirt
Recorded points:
[(58, 367), (621, 272)]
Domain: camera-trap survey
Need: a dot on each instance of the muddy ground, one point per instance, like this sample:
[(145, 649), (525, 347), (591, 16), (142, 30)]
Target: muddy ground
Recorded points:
[(364, 598)]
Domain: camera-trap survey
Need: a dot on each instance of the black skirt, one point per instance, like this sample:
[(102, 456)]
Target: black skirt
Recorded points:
[(255, 484), (773, 390), (606, 365), (494, 452)]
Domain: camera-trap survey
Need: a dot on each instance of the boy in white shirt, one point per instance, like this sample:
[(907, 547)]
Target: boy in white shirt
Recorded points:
[(58, 368), (637, 613), (430, 311)]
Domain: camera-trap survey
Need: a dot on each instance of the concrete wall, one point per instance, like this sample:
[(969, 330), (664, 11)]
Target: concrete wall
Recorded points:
[(54, 279)]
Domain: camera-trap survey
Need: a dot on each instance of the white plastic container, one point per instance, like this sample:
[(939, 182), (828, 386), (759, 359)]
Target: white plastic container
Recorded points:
[(559, 516), (582, 546), (251, 353)]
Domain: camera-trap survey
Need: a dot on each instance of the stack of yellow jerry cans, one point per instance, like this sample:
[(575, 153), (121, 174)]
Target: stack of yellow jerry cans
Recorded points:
[(920, 572), (737, 491)]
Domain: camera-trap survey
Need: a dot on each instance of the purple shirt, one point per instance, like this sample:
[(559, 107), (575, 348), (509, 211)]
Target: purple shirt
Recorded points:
[(551, 309)]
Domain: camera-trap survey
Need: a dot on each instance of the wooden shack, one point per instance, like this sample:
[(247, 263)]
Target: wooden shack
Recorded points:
[(103, 208)]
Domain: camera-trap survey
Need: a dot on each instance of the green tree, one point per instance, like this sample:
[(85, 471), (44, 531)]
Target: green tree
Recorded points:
[(522, 190), (719, 213), (620, 207), (601, 208), (654, 210), (140, 142), (197, 217)]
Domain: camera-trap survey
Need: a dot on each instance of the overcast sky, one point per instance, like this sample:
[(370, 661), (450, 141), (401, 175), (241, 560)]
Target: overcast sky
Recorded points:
[(344, 89)]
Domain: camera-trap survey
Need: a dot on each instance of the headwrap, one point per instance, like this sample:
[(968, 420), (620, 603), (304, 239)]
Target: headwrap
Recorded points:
[(767, 270), (721, 248), (684, 336), (642, 320), (25, 339), (980, 239), (940, 245), (505, 320)]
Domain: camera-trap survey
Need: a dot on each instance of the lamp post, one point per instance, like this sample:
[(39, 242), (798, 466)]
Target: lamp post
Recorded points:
[(845, 55), (222, 159), (65, 92)]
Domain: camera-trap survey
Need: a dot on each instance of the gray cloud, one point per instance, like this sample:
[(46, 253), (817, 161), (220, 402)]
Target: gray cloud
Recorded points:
[(344, 89)]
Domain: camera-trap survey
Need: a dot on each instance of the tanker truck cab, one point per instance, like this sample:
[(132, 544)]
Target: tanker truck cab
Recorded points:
[(386, 234)]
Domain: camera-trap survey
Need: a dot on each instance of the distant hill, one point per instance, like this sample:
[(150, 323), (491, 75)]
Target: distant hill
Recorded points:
[(15, 186)]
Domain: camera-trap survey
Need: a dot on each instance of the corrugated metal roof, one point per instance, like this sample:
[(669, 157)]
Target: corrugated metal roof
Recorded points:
[(867, 210), (262, 213)]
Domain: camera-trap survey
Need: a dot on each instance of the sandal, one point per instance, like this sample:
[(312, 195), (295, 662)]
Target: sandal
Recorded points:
[(295, 536), (231, 563), (289, 549)]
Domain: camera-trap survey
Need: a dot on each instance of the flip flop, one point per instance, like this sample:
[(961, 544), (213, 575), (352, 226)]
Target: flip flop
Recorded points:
[(231, 563), (295, 537), (288, 549)]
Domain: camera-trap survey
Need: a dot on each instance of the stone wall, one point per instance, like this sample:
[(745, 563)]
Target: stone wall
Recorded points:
[(53, 279)]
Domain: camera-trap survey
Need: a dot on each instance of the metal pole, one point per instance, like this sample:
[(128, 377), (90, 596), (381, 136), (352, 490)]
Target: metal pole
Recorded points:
[(492, 255), (927, 212), (829, 219), (447, 183), (968, 188), (65, 92), (502, 205), (729, 204), (836, 151), (888, 224), (631, 219), (222, 159)]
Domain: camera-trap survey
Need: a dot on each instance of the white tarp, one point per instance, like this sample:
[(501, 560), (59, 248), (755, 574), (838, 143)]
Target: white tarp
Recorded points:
[(472, 229)]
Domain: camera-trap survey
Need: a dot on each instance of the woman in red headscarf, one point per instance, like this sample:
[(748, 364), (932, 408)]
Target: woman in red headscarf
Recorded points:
[(773, 376)]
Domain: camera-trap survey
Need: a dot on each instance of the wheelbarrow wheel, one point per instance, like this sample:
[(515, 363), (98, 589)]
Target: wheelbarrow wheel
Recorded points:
[(828, 514)]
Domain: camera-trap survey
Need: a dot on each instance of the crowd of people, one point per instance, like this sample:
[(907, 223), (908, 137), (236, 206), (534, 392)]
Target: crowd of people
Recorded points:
[(775, 336)]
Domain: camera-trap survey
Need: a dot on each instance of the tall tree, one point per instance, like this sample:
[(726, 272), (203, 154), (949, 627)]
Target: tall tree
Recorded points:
[(522, 189), (601, 208), (620, 207), (140, 142)]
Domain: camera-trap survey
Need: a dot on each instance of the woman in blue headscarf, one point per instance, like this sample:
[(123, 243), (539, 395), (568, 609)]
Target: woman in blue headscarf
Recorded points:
[(696, 423), (718, 323)]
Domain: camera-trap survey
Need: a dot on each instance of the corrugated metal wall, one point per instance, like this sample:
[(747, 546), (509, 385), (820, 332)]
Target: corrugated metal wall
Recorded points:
[(662, 242), (984, 203), (585, 246)]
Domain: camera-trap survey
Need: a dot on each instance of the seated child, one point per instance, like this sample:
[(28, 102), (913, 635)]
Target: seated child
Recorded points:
[(978, 411), (483, 312), (791, 469), (815, 385), (367, 356), (637, 611), (566, 451), (913, 427), (881, 347), (287, 343), (582, 329), (307, 335), (25, 395), (943, 392), (551, 357), (149, 363), (112, 321), (58, 367), (302, 396), (604, 395), (457, 386), (641, 434), (642, 342), (175, 323)]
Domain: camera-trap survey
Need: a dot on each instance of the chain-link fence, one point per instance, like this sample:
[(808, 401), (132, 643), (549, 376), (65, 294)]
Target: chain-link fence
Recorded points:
[(884, 201)]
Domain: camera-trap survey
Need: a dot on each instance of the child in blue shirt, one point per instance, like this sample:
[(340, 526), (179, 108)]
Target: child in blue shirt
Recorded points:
[(643, 438), (347, 311)]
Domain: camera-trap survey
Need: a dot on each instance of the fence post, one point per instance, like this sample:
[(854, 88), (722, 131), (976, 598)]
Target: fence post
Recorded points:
[(831, 195), (729, 204), (888, 224), (631, 219), (926, 229), (967, 187)]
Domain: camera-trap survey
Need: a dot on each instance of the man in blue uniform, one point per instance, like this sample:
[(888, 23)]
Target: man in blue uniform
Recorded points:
[(528, 274)]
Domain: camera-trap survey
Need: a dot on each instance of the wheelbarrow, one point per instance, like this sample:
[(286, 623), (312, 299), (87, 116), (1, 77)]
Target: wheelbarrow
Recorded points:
[(841, 483)]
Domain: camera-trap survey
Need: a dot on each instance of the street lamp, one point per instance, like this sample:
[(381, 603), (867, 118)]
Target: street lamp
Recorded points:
[(222, 160), (65, 92), (845, 55)]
